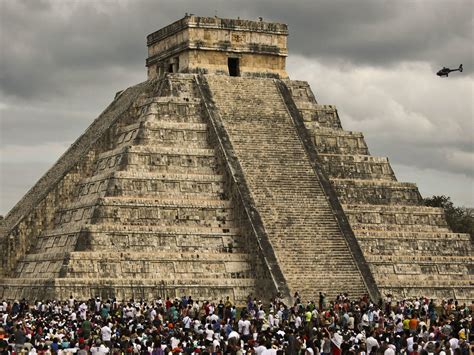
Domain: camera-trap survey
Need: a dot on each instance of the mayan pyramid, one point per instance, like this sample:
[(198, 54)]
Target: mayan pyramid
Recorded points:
[(219, 176)]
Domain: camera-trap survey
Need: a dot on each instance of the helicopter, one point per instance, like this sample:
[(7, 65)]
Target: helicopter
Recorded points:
[(445, 71)]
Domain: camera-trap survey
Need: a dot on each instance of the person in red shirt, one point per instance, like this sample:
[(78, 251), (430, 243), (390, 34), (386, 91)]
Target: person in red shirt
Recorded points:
[(168, 303)]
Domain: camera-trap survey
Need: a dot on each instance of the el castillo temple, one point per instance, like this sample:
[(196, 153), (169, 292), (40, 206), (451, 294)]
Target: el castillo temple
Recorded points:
[(221, 176)]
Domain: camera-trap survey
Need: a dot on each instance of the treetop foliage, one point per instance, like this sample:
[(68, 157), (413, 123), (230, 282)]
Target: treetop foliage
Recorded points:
[(460, 219)]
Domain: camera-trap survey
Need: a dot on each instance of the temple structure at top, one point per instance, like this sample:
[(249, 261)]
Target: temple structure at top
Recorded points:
[(212, 45)]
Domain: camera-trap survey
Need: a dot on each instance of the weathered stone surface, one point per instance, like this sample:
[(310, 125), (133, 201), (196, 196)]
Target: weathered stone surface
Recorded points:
[(152, 206), (287, 193), (205, 44), (409, 248)]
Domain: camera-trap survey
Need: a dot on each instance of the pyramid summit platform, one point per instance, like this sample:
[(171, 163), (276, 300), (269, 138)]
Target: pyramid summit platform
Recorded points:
[(219, 176)]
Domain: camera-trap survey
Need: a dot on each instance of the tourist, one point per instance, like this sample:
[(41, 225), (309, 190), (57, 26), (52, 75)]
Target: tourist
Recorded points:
[(184, 326)]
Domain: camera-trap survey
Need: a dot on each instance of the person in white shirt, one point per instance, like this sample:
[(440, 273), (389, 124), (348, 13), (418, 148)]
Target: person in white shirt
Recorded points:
[(234, 334), (246, 329), (197, 325), (410, 341), (260, 349), (187, 322), (271, 319), (174, 342), (71, 302), (209, 334), (83, 310), (371, 342), (390, 350), (216, 344), (240, 325), (351, 322), (106, 334), (454, 343), (298, 321), (99, 349), (152, 314), (365, 320)]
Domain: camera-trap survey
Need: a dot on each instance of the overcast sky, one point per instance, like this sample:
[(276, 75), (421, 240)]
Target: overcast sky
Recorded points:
[(61, 63)]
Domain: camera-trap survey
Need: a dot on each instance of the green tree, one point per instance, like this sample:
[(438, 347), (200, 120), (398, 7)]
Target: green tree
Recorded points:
[(460, 219)]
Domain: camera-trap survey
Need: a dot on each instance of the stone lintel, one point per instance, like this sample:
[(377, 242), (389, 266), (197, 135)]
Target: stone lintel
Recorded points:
[(216, 23)]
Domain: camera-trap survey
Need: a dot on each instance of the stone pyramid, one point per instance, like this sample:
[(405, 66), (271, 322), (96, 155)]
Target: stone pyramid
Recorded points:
[(221, 177)]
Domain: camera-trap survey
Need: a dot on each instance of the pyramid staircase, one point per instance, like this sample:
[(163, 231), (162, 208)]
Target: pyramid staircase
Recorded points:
[(303, 231)]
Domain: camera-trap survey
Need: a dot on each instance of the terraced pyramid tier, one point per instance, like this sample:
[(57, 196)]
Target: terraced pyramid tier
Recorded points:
[(410, 249), (149, 217)]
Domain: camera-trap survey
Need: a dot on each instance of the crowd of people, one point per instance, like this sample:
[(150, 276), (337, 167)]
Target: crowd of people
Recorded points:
[(187, 326)]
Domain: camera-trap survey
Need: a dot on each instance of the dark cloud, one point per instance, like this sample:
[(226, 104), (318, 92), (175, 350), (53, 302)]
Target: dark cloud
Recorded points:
[(61, 63), (44, 39), (386, 32)]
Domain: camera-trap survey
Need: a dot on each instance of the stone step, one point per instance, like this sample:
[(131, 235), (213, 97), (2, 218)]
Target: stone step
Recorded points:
[(151, 129), (411, 259), (166, 185), (172, 100), (132, 237), (383, 215), (463, 294), (158, 263), (416, 247), (158, 159), (166, 109), (376, 192), (181, 134), (387, 236), (337, 141), (317, 115), (144, 211), (126, 135), (409, 228), (286, 191), (123, 174), (126, 228), (421, 279), (300, 91), (154, 150), (345, 166), (155, 255), (131, 201)]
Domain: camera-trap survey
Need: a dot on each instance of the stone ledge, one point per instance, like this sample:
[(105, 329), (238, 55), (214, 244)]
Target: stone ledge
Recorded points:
[(407, 235), (157, 255), (392, 209)]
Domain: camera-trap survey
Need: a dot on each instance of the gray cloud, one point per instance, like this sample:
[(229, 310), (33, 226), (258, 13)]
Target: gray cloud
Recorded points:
[(62, 62), (46, 40)]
